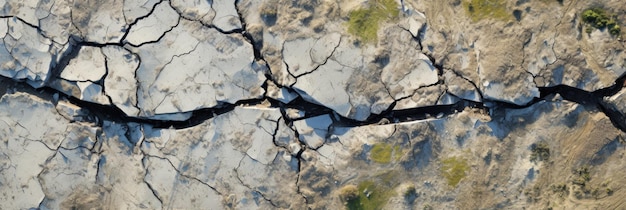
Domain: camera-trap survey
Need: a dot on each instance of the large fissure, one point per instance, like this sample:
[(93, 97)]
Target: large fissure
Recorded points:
[(111, 113)]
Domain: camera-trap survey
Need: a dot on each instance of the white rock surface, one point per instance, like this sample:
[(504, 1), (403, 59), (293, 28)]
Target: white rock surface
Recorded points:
[(404, 74), (99, 21), (178, 191), (461, 88), (120, 83), (226, 17), (306, 54), (88, 65), (26, 53), (235, 147), (195, 10), (184, 63), (31, 129), (67, 174), (151, 28), (313, 130), (136, 9), (217, 68)]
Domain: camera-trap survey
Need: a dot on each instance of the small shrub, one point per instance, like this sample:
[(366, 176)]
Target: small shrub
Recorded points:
[(581, 178), (540, 152), (410, 192), (560, 189), (599, 19)]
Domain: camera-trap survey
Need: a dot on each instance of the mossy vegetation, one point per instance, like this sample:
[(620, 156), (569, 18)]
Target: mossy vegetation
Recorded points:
[(385, 153), (364, 22), (539, 152), (348, 193), (598, 18), (454, 169), (374, 193), (483, 9)]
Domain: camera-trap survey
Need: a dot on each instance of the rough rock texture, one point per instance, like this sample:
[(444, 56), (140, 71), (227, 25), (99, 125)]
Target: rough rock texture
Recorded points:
[(312, 104)]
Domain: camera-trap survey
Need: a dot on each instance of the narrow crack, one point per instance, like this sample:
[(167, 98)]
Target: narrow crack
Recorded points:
[(248, 186)]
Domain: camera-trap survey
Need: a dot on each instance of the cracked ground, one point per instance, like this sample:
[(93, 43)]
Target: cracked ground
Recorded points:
[(313, 104)]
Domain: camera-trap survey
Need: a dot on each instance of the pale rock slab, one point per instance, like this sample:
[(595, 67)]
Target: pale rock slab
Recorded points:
[(30, 129), (88, 65), (26, 10), (176, 191), (253, 174), (195, 10), (29, 117), (422, 97), (55, 20), (151, 28), (22, 161), (81, 76), (26, 53), (92, 92), (313, 131), (215, 153), (69, 172), (71, 111), (127, 190), (133, 10), (305, 55), (120, 83), (196, 67), (281, 94), (100, 21), (405, 68), (415, 21), (461, 88), (329, 87), (226, 16)]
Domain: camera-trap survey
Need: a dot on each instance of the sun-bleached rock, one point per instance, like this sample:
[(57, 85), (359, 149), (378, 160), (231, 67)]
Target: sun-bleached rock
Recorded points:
[(219, 68), (227, 146), (176, 191), (195, 10), (151, 28), (405, 68), (31, 129), (128, 189), (304, 55), (120, 83), (461, 87), (226, 16), (68, 172), (133, 10), (99, 21), (88, 65), (26, 53), (313, 131)]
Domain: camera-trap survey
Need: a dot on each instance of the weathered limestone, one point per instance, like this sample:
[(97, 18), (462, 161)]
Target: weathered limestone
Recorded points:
[(218, 68)]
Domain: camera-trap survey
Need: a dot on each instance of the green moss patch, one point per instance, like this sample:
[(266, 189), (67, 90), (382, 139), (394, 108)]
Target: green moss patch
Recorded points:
[(454, 169), (598, 18), (375, 193), (364, 22), (483, 9), (384, 153)]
